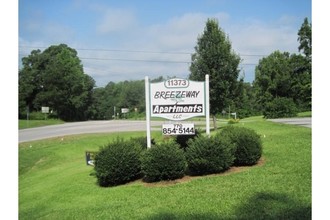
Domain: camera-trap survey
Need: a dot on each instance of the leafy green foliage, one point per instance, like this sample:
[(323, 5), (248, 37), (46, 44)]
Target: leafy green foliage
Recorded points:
[(280, 108), (164, 161), (109, 100), (214, 56), (209, 155), (301, 82), (118, 163), (248, 146), (55, 78), (305, 38), (273, 76), (288, 76), (281, 75), (142, 142), (233, 121), (37, 116), (182, 140)]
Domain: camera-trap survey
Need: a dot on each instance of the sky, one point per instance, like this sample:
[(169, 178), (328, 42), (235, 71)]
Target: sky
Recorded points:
[(128, 40)]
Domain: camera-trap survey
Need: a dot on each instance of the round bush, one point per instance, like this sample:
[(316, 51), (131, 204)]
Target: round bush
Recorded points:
[(142, 142), (209, 155), (164, 161), (247, 144), (118, 163), (182, 140)]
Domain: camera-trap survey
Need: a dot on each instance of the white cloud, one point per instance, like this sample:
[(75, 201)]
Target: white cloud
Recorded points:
[(180, 33), (262, 38), (116, 20), (258, 38), (177, 34)]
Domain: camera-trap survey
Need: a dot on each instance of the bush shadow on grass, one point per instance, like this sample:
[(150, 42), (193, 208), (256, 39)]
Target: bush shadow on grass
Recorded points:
[(271, 205), (171, 216), (262, 205)]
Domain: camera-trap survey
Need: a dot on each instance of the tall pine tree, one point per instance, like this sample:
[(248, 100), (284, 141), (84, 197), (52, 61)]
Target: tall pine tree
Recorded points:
[(214, 56)]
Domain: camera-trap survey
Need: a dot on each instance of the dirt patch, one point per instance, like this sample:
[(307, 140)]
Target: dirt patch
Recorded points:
[(186, 178)]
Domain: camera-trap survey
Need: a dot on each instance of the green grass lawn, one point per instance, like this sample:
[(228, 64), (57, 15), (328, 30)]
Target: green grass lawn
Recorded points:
[(56, 183), (305, 114), (22, 124)]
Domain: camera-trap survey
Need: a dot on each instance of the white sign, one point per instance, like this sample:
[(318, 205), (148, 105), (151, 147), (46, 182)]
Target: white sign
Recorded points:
[(178, 129), (45, 110), (124, 110), (177, 99)]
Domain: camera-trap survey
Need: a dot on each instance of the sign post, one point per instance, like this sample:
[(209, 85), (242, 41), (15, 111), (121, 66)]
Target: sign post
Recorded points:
[(207, 104), (148, 111), (45, 110)]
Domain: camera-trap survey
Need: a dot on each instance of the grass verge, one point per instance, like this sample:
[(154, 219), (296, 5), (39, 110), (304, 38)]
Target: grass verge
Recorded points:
[(22, 124), (55, 183)]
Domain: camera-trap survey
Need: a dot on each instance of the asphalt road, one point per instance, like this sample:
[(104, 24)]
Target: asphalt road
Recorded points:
[(32, 134), (306, 122), (62, 130)]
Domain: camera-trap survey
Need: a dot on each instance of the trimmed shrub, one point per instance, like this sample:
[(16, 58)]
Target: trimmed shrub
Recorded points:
[(118, 163), (233, 121), (37, 116), (182, 140), (209, 155), (164, 161), (142, 142), (280, 108), (247, 144)]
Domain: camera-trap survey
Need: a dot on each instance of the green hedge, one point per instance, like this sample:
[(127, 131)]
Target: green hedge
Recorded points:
[(248, 146), (182, 140), (118, 163), (164, 161), (142, 142), (209, 155), (121, 161)]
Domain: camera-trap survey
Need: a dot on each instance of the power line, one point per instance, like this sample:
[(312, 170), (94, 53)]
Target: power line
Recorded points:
[(133, 60), (139, 60), (139, 51), (120, 50)]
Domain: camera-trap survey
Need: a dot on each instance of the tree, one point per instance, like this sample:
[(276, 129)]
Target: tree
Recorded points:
[(126, 94), (305, 38), (245, 103), (301, 82), (214, 56), (281, 75), (132, 95), (272, 77), (303, 66), (55, 78)]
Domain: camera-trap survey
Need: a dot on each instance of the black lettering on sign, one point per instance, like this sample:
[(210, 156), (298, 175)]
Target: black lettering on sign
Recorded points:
[(164, 109)]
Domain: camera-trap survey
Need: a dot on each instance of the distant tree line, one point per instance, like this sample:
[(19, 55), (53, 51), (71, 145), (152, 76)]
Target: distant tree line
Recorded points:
[(55, 78)]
